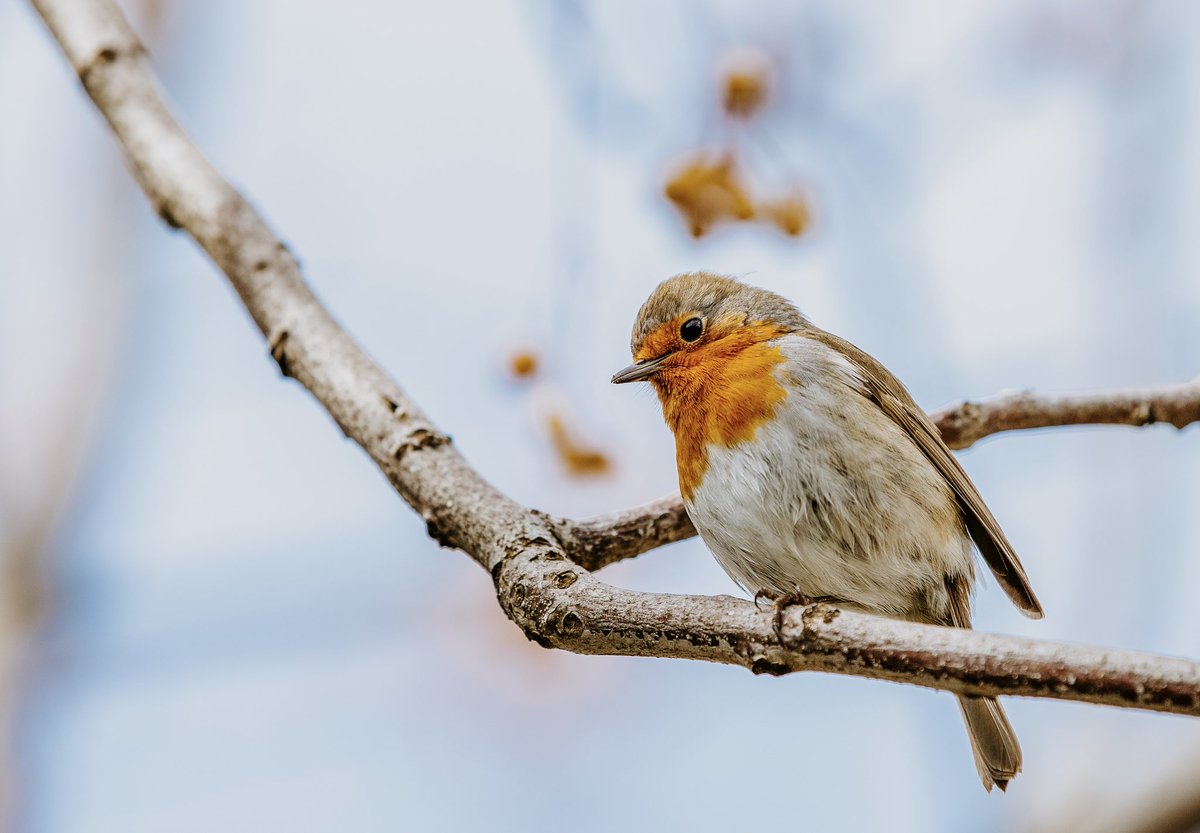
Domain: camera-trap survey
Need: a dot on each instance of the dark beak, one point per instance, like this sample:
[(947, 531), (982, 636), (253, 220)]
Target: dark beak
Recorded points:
[(638, 371)]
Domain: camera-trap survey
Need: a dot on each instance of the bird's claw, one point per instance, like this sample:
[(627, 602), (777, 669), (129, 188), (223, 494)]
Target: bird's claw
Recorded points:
[(782, 601), (764, 594)]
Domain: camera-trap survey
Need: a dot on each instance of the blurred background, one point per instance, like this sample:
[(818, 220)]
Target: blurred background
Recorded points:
[(217, 615)]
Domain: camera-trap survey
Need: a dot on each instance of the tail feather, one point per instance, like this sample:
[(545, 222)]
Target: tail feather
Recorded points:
[(997, 752)]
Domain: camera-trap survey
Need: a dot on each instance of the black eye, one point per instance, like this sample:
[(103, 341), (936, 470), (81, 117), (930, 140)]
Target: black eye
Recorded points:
[(692, 329)]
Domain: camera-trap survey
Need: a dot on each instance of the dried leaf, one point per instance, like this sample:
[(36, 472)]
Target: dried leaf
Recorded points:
[(709, 191), (745, 83), (791, 214), (580, 460), (744, 93), (523, 365)]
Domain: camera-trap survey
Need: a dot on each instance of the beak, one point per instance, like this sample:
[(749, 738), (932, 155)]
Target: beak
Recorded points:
[(638, 371)]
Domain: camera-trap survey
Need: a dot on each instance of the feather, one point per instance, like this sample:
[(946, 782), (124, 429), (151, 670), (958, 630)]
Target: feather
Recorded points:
[(895, 401)]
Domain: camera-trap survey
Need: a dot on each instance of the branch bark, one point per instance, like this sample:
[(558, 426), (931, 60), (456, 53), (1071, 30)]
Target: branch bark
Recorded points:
[(556, 601), (968, 422)]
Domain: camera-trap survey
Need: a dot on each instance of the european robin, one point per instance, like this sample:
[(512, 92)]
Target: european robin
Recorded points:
[(811, 473)]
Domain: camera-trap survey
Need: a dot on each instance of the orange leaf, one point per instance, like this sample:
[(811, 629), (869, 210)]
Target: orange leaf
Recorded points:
[(790, 214), (579, 460), (708, 191)]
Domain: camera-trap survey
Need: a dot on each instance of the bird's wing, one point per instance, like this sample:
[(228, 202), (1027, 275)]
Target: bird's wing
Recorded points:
[(895, 401)]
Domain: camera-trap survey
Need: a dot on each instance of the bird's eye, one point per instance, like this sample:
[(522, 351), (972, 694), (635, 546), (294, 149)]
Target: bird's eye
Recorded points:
[(692, 329)]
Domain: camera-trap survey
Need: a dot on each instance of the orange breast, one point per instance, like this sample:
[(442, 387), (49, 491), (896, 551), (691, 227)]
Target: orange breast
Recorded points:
[(719, 394)]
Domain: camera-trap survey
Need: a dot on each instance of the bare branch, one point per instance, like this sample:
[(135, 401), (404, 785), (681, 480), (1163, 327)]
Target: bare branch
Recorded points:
[(598, 542), (555, 601), (606, 539), (965, 424)]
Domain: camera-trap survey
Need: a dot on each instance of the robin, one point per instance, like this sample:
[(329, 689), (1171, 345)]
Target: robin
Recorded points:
[(811, 473)]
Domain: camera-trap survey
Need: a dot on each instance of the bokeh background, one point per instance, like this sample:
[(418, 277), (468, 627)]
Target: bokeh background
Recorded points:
[(216, 613)]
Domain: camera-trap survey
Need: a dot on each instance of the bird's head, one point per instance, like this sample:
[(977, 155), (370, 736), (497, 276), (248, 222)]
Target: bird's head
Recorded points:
[(697, 317)]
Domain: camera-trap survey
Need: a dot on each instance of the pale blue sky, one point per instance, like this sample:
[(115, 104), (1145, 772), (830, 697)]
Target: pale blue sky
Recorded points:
[(253, 632)]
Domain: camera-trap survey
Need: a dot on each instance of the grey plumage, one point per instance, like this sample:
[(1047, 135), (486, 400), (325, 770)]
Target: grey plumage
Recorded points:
[(712, 297)]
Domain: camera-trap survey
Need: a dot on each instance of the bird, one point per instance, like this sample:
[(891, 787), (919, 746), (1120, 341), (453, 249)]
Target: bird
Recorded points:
[(811, 473)]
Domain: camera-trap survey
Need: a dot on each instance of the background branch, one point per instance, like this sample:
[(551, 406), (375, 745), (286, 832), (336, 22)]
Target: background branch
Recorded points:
[(607, 539), (553, 600), (965, 424)]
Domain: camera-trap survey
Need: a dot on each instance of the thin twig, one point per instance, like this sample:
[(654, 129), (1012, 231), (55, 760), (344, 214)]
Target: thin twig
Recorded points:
[(554, 601)]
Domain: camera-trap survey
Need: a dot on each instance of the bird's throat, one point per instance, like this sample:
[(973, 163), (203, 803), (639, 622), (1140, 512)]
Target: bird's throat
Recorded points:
[(719, 394)]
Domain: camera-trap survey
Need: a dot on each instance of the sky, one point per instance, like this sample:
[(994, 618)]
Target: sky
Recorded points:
[(248, 629)]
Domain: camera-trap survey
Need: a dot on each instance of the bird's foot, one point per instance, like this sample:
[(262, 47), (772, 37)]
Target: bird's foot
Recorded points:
[(769, 595), (782, 601)]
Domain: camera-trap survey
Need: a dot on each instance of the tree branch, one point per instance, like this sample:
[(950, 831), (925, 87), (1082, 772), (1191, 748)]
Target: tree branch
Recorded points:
[(965, 424), (607, 539), (555, 601)]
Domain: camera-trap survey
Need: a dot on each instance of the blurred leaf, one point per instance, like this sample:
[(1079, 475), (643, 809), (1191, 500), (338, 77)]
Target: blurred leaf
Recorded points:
[(745, 84), (709, 191), (580, 460), (791, 214), (523, 365)]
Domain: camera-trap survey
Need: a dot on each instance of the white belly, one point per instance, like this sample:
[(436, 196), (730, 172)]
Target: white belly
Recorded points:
[(831, 498)]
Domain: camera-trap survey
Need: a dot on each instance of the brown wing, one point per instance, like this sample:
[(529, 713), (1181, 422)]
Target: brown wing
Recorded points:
[(960, 601), (891, 396)]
